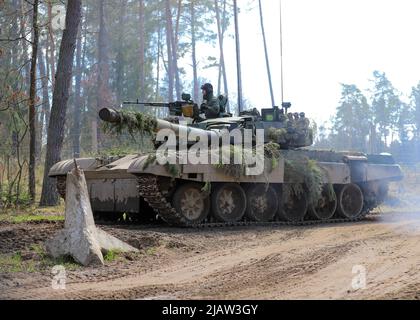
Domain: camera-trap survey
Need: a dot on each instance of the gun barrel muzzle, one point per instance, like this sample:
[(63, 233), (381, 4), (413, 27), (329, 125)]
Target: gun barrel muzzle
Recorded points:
[(109, 115)]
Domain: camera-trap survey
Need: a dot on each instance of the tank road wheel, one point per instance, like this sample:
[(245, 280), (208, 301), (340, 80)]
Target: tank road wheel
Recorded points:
[(229, 202), (262, 203), (189, 201), (326, 206), (350, 201), (293, 208)]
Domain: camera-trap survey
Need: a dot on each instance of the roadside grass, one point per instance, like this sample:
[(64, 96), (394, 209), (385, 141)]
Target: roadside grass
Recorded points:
[(25, 218), (34, 260), (112, 255), (33, 214), (14, 263), (151, 251)]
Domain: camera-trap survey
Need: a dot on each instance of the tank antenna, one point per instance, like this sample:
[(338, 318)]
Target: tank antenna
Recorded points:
[(281, 55)]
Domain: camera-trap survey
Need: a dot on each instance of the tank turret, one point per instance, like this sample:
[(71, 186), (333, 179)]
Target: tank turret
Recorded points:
[(287, 130)]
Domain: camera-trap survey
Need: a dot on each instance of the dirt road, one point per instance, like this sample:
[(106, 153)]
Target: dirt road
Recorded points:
[(248, 263)]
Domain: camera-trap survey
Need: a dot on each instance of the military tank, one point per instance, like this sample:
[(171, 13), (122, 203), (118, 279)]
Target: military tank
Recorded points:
[(296, 186)]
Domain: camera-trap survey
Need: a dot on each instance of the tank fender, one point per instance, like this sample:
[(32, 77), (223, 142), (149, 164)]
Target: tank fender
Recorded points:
[(148, 165), (335, 172), (64, 167), (384, 172), (363, 171)]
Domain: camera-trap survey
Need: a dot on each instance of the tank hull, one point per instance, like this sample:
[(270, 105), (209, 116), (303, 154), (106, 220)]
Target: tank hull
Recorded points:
[(137, 187)]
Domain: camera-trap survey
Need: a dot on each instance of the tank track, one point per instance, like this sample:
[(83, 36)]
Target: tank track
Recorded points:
[(149, 190)]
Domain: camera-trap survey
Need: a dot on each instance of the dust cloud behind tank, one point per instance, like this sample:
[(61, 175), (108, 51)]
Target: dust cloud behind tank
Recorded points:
[(298, 185)]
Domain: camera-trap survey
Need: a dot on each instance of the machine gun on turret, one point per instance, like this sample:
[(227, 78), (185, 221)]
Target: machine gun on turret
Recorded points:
[(185, 108)]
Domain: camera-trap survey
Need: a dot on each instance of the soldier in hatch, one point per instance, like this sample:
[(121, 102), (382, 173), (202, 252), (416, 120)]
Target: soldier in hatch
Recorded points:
[(211, 105), (302, 125)]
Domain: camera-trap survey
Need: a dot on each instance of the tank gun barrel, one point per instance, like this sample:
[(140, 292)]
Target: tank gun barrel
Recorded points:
[(113, 116)]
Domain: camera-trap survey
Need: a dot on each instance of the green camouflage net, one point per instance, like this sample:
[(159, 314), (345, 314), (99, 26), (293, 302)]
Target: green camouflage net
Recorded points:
[(133, 123), (272, 153), (206, 190), (303, 175), (151, 159), (271, 157), (172, 169), (277, 135), (233, 170)]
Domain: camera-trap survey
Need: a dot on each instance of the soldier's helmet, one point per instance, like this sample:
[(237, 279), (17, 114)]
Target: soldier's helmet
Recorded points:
[(207, 87), (302, 115)]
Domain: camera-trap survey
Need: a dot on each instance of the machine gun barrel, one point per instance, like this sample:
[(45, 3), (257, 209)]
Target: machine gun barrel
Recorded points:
[(149, 104)]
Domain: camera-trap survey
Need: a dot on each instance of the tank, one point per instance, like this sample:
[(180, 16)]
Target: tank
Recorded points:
[(297, 185)]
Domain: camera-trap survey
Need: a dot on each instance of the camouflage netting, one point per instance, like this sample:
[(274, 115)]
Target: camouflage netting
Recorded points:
[(273, 154), (304, 175), (172, 169), (151, 159), (277, 135), (133, 123), (234, 170), (271, 159)]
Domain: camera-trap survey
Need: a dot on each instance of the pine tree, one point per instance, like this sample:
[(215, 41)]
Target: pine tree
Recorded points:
[(351, 123), (386, 106), (60, 98)]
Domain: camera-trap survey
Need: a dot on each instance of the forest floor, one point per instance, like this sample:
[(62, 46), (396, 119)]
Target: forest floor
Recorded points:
[(317, 262)]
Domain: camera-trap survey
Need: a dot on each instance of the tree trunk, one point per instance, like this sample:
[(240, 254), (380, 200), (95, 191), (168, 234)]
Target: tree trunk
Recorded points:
[(220, 32), (77, 115), (194, 53), (32, 101), (45, 109), (174, 41), (266, 55), (222, 71), (52, 44), (120, 60), (49, 195), (159, 35), (141, 50), (15, 34), (24, 43), (169, 33), (238, 56), (103, 74)]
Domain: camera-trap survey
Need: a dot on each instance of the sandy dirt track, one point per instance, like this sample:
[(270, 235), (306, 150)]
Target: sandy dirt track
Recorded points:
[(245, 263)]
